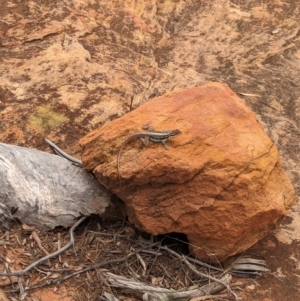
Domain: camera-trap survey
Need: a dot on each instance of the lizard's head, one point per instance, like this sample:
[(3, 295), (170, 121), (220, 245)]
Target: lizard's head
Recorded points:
[(175, 133)]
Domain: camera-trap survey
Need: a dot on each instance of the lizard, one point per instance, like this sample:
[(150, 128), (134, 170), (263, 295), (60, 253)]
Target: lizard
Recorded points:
[(149, 135)]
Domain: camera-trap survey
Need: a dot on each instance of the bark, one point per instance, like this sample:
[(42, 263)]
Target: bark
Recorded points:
[(45, 190)]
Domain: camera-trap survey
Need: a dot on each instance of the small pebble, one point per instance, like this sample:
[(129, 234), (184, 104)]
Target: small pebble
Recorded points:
[(275, 31)]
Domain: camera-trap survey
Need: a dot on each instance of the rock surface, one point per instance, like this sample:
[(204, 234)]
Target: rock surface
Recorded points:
[(221, 182)]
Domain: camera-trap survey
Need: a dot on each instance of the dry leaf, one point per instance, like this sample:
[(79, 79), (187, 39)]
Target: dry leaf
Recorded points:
[(248, 94), (28, 228)]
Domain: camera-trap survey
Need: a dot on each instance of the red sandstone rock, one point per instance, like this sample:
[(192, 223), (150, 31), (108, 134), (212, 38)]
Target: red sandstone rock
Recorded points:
[(220, 183)]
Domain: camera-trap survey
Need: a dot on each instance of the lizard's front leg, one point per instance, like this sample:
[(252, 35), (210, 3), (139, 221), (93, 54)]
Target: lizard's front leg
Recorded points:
[(144, 141), (164, 142)]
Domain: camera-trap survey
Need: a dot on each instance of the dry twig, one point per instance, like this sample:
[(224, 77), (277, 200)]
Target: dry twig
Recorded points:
[(93, 267), (209, 277), (200, 273), (34, 264)]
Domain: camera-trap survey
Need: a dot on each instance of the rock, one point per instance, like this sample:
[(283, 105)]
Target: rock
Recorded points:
[(221, 182)]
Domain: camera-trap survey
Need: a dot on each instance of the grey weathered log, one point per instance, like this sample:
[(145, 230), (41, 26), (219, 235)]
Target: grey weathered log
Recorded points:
[(152, 293), (45, 190)]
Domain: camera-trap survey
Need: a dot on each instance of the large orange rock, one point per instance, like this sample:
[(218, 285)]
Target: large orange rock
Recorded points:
[(221, 182)]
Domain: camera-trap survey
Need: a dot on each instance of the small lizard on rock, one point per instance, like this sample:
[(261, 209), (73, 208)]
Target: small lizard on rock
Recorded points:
[(149, 135)]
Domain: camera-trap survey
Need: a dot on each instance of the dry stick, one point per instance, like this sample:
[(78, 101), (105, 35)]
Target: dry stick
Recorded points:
[(1, 237), (206, 265), (209, 277), (153, 262), (5, 243), (93, 267), (198, 272), (56, 270), (142, 263), (58, 246), (22, 291), (34, 264), (166, 272)]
